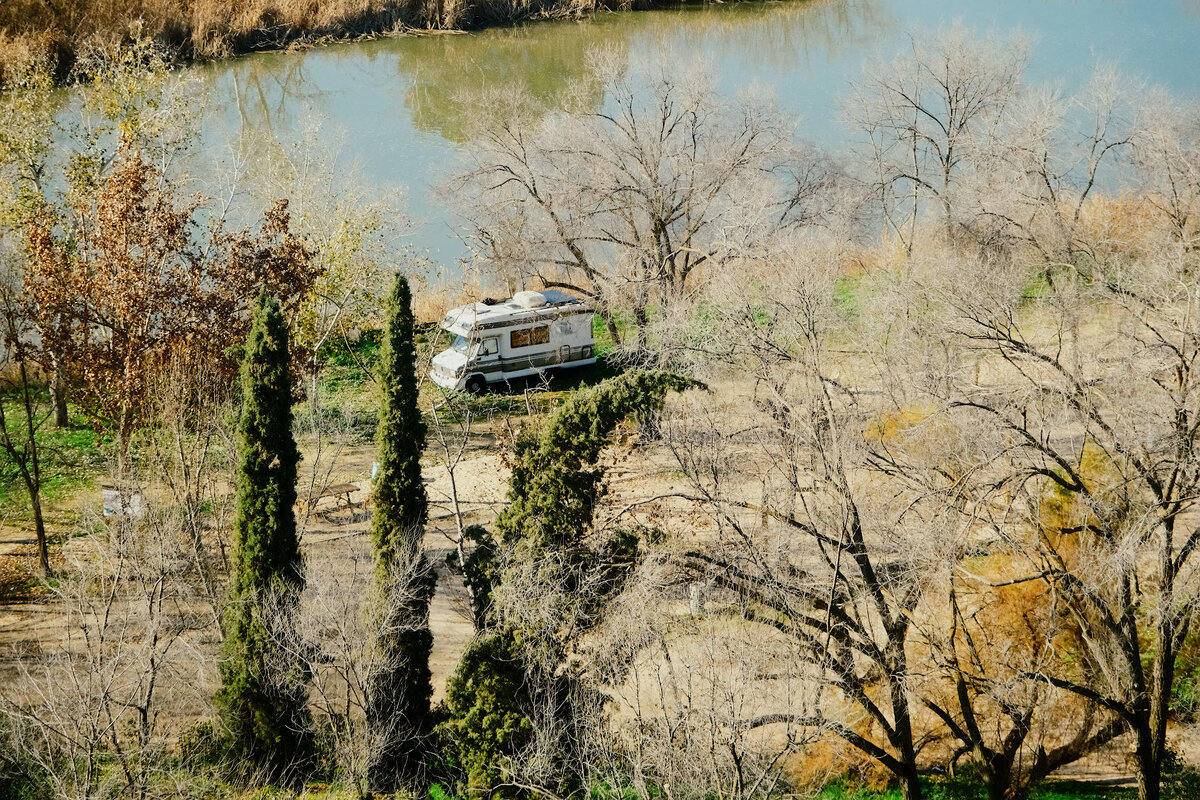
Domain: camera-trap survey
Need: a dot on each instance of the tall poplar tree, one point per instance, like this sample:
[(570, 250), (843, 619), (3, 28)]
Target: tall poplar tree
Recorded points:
[(398, 714), (262, 700)]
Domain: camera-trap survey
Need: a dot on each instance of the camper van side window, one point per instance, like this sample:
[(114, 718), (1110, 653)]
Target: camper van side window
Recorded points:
[(489, 346), (529, 336)]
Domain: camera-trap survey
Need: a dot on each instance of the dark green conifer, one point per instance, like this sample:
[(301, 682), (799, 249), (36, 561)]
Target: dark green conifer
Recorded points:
[(262, 700), (557, 480), (398, 713)]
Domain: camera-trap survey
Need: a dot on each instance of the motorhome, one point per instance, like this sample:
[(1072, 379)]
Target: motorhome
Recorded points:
[(533, 333)]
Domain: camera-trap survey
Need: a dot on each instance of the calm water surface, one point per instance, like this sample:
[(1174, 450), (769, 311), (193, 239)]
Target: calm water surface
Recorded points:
[(394, 109)]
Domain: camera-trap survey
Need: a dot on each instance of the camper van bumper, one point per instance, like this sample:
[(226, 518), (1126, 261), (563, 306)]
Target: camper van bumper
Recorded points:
[(446, 379)]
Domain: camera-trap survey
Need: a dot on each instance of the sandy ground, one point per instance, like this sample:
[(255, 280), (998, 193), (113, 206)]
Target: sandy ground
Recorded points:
[(333, 535), (336, 533)]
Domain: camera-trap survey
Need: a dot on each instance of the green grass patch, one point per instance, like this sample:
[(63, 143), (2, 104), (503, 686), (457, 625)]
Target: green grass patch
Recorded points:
[(848, 294), (346, 397), (602, 335), (346, 406), (1041, 283), (71, 458), (353, 363), (1036, 288)]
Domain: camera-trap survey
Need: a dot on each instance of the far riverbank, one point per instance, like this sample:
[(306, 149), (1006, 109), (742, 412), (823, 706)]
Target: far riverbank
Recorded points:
[(211, 29)]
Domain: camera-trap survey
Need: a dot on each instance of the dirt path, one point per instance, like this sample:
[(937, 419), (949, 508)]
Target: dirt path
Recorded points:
[(332, 535), (13, 540)]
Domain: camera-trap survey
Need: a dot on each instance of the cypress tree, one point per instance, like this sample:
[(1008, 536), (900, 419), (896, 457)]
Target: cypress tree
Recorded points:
[(262, 700), (399, 690)]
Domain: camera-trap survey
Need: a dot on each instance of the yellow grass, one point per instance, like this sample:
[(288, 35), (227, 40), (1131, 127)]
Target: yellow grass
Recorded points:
[(213, 28)]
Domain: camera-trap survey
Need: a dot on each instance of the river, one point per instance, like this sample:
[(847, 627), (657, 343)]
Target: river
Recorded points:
[(392, 111)]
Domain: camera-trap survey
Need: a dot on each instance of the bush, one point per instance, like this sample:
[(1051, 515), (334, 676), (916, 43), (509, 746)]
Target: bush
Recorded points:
[(1185, 692), (200, 746), (21, 778), (486, 728), (1180, 780)]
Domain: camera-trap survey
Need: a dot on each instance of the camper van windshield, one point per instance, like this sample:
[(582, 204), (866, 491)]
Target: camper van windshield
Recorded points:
[(462, 345)]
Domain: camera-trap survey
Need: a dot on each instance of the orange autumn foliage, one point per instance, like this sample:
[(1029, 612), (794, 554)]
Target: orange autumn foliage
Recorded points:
[(136, 281)]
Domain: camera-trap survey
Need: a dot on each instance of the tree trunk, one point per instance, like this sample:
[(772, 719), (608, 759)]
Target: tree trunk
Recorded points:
[(639, 354), (32, 481), (58, 397), (124, 443), (1152, 730), (999, 779), (1149, 765), (39, 526), (31, 470), (910, 782), (641, 321), (611, 324)]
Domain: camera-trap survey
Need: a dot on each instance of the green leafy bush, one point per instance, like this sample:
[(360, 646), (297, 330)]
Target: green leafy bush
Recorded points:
[(486, 727)]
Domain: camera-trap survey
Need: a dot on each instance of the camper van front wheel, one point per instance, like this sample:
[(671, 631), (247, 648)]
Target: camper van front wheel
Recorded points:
[(475, 384)]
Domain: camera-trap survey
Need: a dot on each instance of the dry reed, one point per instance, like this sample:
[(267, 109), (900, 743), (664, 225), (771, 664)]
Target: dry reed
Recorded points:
[(66, 30)]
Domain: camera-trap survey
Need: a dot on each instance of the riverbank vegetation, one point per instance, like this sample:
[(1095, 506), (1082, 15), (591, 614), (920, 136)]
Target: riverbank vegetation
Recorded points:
[(68, 33), (886, 489)]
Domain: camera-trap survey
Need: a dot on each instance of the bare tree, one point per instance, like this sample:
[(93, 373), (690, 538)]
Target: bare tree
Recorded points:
[(1166, 154), (336, 634), (623, 206), (686, 691), (22, 412), (1048, 167), (842, 495), (1086, 338), (1091, 391), (985, 635), (1006, 717), (187, 453), (356, 234), (927, 116), (93, 704), (802, 544)]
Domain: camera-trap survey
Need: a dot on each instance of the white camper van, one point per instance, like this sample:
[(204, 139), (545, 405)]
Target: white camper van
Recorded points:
[(528, 335)]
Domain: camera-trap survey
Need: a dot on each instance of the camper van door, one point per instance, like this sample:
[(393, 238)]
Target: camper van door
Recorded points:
[(488, 352)]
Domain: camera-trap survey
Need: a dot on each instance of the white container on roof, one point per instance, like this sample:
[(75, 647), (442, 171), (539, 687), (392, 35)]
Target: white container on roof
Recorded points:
[(530, 299)]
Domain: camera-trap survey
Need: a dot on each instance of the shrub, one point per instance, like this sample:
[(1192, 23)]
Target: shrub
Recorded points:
[(486, 728)]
